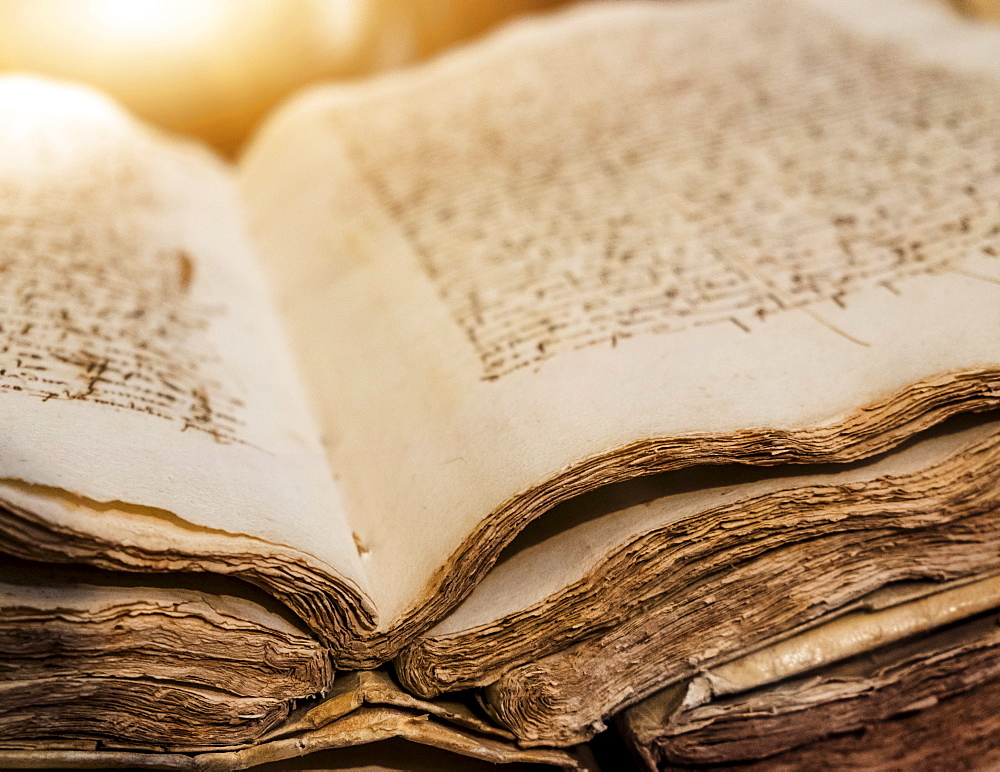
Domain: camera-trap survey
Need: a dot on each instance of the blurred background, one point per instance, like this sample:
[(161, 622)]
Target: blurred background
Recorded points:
[(213, 68)]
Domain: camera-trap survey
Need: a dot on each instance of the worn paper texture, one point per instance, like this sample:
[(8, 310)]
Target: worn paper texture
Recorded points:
[(147, 395), (585, 251)]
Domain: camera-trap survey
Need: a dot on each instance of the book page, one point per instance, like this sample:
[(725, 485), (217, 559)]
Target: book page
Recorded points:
[(152, 418), (585, 534), (192, 660), (622, 240), (863, 692)]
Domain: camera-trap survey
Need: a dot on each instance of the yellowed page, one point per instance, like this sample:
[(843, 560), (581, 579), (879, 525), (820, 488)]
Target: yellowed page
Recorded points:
[(363, 726), (622, 240), (844, 637), (184, 662), (151, 414), (540, 566)]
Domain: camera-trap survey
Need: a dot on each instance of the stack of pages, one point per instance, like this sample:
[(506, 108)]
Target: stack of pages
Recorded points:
[(644, 355)]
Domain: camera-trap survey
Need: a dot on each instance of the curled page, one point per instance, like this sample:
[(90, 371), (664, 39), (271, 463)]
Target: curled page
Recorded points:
[(361, 727), (180, 662), (152, 417), (562, 699), (194, 671), (853, 714), (714, 612), (623, 240), (606, 559)]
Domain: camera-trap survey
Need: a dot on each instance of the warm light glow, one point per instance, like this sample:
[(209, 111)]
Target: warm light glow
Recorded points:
[(38, 98), (152, 20), (39, 118), (337, 23), (208, 67)]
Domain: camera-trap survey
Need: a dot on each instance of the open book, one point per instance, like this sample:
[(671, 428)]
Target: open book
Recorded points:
[(690, 296)]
